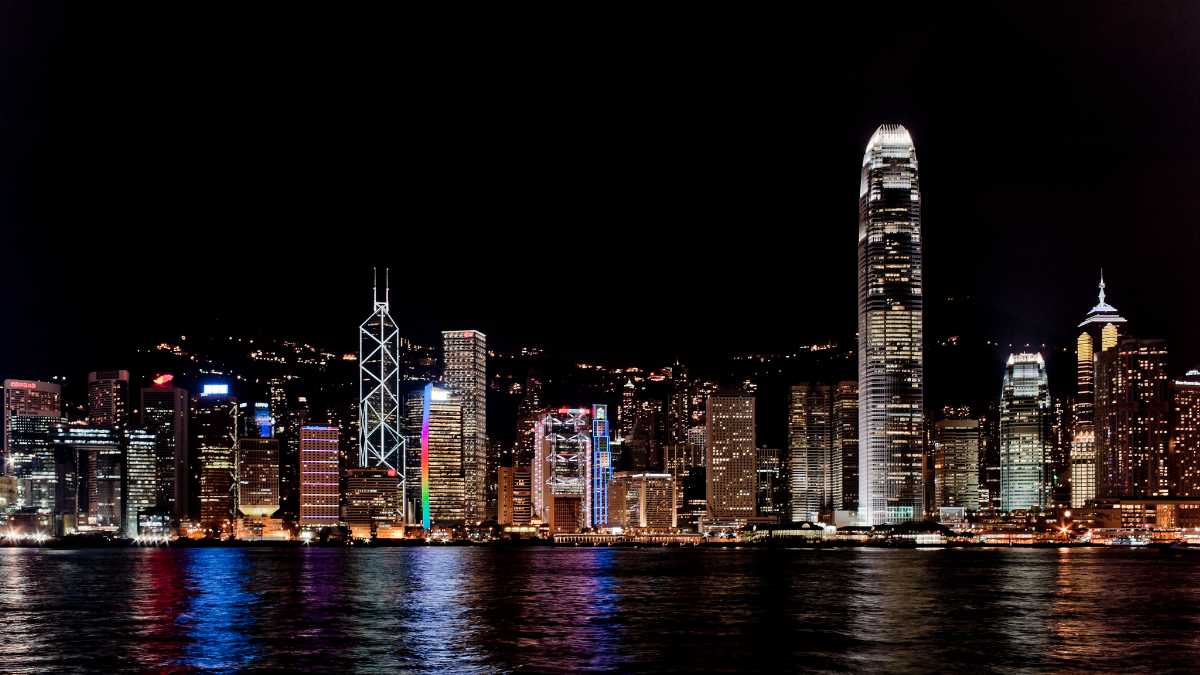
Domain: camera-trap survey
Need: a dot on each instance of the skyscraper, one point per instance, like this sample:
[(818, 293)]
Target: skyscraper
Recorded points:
[(215, 434), (890, 333), (320, 485), (438, 413), (108, 399), (730, 457), (141, 477), (642, 501), (845, 421), (815, 464), (562, 469), (164, 410), (1098, 333), (956, 463), (31, 412), (380, 442), (258, 477), (770, 483), (515, 499), (1132, 420), (464, 354), (1185, 435), (601, 463), (1025, 434), (372, 498)]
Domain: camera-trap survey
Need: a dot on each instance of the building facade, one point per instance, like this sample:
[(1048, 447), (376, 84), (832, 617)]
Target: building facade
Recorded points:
[(845, 420), (956, 463), (1185, 435), (32, 410), (214, 426), (730, 457), (1025, 434), (164, 412), (320, 486), (815, 465), (562, 471), (140, 479), (1132, 420), (1098, 333), (258, 477), (890, 332), (642, 501), (464, 354), (108, 399), (438, 413)]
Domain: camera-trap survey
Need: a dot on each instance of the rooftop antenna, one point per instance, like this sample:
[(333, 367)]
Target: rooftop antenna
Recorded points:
[(374, 285), (1102, 285), (387, 286)]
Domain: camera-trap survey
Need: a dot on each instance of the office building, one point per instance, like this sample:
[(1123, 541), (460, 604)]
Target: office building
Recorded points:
[(32, 410), (642, 501), (438, 413), (730, 457), (1025, 434), (771, 483), (1099, 332), (515, 505), (845, 421), (372, 499), (164, 411), (320, 486), (1132, 420), (104, 478), (141, 477), (258, 477), (380, 442), (464, 354), (562, 469), (890, 334), (108, 399), (1185, 435), (956, 463), (214, 429), (815, 464), (602, 466)]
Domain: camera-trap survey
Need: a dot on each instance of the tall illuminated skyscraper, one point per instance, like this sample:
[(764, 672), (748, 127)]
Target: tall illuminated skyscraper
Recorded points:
[(31, 412), (215, 427), (464, 354), (956, 463), (1132, 420), (320, 479), (730, 457), (1025, 435), (164, 411), (258, 477), (141, 478), (1185, 435), (438, 413), (601, 463), (1099, 332), (890, 334), (845, 420), (561, 471), (380, 443), (814, 464)]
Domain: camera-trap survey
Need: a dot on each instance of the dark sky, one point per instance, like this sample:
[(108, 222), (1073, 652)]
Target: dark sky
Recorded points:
[(626, 186)]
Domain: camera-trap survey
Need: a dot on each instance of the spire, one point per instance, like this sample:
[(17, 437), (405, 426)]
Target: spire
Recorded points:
[(387, 286), (1101, 285)]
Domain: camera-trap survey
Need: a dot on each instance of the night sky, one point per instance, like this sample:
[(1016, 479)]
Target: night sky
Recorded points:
[(629, 188)]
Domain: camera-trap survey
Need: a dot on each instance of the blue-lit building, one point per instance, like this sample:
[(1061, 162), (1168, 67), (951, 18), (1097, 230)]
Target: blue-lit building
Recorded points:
[(601, 465)]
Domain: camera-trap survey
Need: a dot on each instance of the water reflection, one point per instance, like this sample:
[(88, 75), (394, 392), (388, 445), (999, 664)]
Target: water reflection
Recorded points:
[(218, 610), (436, 609)]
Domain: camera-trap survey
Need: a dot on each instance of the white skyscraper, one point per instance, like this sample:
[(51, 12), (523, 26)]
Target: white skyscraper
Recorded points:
[(890, 334), (380, 442), (465, 358)]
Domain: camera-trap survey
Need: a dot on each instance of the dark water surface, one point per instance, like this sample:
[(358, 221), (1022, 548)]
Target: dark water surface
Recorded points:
[(542, 609)]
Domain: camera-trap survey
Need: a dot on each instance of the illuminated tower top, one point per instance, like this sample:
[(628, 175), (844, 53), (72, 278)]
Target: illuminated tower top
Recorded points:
[(1102, 313)]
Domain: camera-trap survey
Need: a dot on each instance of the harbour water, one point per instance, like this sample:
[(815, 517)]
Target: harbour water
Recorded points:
[(494, 609)]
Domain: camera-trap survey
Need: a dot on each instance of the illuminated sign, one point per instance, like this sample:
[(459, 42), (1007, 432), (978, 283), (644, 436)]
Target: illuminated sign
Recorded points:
[(163, 380), (17, 384), (264, 421), (441, 395), (215, 390)]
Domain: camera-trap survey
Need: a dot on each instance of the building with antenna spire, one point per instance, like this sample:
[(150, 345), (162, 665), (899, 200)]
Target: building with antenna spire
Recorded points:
[(1099, 331), (380, 442)]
